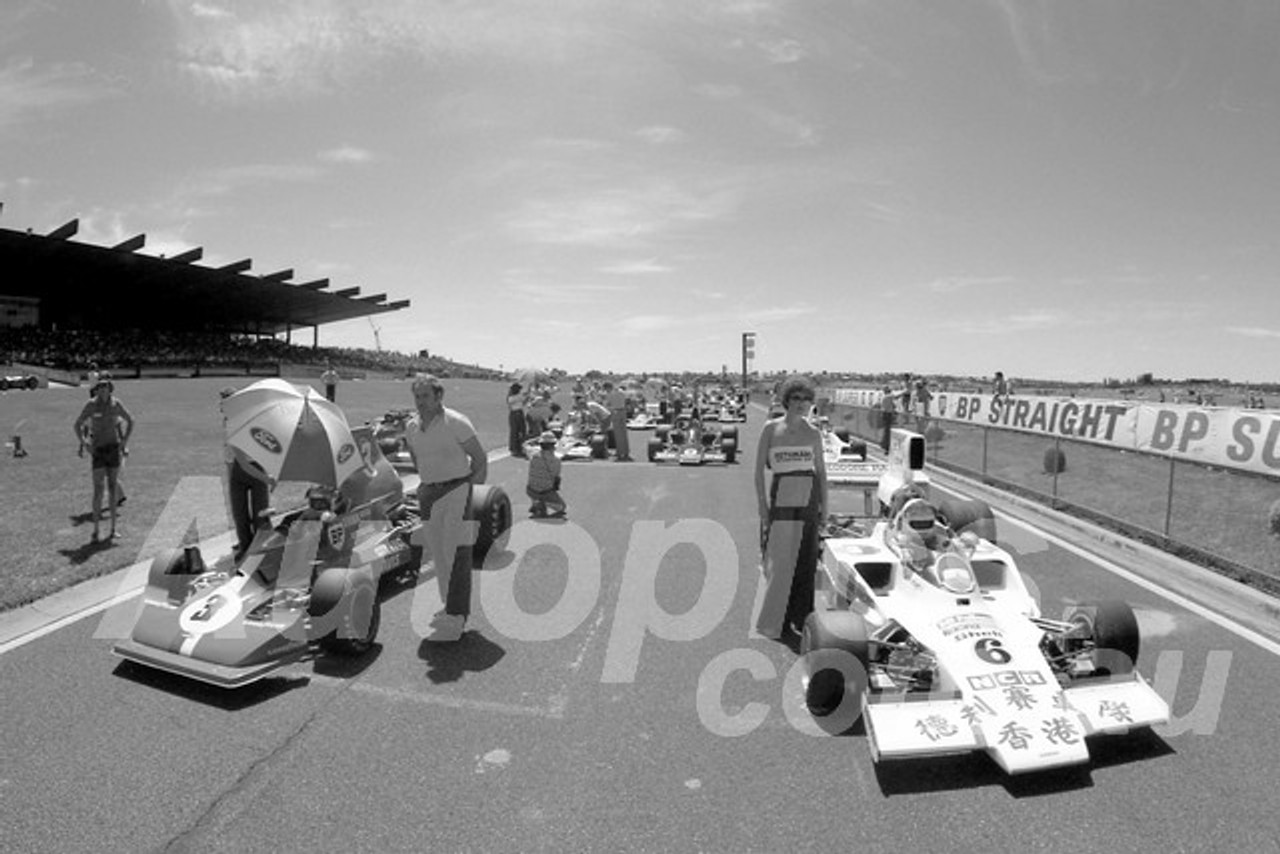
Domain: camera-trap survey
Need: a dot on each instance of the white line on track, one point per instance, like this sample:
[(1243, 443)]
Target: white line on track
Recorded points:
[(447, 700)]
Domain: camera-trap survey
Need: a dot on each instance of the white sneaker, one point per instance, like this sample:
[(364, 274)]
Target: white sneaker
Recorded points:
[(447, 629)]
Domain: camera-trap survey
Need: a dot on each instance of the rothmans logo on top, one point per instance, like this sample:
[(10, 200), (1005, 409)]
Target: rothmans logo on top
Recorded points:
[(266, 439)]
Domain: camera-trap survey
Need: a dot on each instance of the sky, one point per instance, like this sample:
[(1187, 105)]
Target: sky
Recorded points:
[(1057, 189)]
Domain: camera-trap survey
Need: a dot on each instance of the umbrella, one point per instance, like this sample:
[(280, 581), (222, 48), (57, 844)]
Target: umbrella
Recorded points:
[(656, 386), (294, 433), (530, 378)]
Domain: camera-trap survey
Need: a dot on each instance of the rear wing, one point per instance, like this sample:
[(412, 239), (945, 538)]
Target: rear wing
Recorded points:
[(880, 479), (905, 465)]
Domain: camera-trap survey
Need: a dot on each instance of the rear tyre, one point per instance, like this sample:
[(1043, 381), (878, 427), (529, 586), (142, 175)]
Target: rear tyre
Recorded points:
[(491, 509), (968, 514), (655, 445), (599, 447), (729, 447)]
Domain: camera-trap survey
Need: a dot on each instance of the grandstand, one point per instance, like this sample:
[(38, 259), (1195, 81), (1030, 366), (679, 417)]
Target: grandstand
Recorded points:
[(65, 304)]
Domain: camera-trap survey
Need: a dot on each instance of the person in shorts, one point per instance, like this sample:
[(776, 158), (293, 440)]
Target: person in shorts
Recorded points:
[(104, 425)]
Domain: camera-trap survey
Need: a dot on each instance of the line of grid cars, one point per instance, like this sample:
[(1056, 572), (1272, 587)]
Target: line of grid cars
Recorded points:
[(925, 629)]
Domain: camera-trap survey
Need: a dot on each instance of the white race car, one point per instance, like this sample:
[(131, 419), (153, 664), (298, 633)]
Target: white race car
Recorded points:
[(575, 440), (926, 628)]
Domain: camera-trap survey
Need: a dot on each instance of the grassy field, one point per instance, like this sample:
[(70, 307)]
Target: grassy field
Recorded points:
[(47, 495), (1213, 511)]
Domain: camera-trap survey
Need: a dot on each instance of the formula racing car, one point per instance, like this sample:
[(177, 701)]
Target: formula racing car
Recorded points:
[(689, 442), (308, 581), (926, 628), (388, 432), (19, 381), (576, 439)]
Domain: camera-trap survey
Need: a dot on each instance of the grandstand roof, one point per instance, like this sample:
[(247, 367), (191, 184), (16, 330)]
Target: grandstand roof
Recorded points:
[(80, 285)]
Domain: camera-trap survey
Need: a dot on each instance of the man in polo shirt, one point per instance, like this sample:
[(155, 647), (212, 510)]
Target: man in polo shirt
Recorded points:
[(449, 460)]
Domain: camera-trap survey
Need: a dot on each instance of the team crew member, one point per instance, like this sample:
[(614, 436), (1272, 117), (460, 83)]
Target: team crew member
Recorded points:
[(107, 426), (248, 491), (516, 427), (330, 379), (449, 460), (615, 401), (791, 510)]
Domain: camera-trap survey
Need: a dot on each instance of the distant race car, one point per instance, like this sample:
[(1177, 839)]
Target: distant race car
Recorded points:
[(576, 440), (309, 581), (731, 410), (388, 432), (689, 442), (19, 381), (646, 418), (926, 628)]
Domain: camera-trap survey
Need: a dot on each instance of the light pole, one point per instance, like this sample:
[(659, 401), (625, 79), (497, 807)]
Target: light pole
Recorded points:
[(748, 353)]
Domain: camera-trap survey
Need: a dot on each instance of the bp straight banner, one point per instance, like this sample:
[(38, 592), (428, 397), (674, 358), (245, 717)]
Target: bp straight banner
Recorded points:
[(1243, 439)]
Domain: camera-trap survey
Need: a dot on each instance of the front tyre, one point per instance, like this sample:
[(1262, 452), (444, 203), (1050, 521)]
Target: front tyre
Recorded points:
[(835, 651), (1109, 630), (345, 611)]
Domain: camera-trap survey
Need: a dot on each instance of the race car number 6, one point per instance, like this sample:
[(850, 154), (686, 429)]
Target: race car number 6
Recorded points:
[(992, 651)]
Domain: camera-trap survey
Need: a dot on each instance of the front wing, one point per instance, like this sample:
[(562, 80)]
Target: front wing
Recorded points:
[(900, 726)]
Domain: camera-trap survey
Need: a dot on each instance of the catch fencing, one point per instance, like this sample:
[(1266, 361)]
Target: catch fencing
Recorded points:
[(1223, 517)]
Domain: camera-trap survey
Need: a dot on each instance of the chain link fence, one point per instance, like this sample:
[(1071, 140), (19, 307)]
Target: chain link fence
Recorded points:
[(1226, 520)]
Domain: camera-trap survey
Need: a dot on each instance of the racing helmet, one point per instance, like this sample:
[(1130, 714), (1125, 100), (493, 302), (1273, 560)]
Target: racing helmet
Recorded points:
[(918, 515), (321, 497)]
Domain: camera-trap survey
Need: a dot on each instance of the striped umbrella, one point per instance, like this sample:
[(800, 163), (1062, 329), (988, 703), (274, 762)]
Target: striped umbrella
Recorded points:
[(293, 432)]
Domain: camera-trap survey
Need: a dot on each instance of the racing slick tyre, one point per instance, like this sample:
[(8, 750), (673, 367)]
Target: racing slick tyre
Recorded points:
[(729, 447), (1110, 629), (968, 514), (4, 383), (32, 383), (599, 447), (344, 603), (491, 509), (830, 643), (730, 432), (857, 447), (661, 432), (655, 445)]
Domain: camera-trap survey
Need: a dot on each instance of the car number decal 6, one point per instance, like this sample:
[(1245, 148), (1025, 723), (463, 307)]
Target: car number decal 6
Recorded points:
[(992, 651)]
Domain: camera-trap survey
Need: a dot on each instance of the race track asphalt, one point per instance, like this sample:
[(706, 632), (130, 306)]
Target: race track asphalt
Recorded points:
[(646, 718)]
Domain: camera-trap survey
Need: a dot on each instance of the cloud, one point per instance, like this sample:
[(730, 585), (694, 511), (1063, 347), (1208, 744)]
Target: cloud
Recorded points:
[(1009, 324), (346, 154), (1253, 332), (631, 268), (26, 89), (661, 135), (616, 218), (951, 284), (783, 51)]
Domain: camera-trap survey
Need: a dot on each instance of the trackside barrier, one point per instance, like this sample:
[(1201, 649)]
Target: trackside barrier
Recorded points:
[(1216, 516)]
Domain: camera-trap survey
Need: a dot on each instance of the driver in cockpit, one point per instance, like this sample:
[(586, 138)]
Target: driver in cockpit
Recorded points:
[(918, 532)]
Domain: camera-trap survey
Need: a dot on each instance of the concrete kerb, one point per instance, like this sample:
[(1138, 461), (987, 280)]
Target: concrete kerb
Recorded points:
[(95, 594), (26, 622), (1252, 608)]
